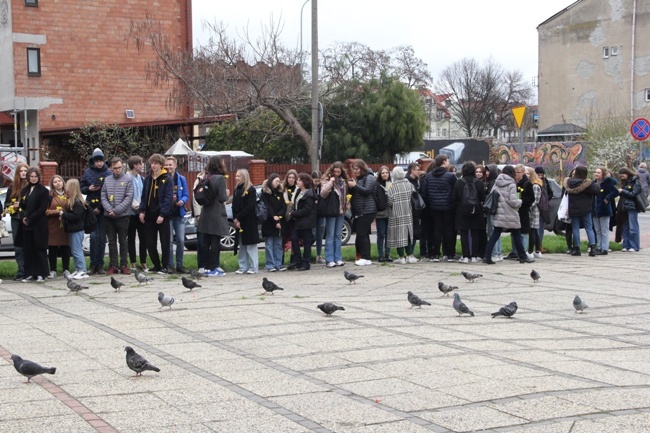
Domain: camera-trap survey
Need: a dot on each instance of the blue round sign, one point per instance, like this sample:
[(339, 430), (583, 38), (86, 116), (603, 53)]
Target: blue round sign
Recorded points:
[(640, 129)]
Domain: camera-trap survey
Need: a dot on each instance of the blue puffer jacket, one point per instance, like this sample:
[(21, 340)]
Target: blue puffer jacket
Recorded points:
[(182, 194), (607, 191), (437, 188)]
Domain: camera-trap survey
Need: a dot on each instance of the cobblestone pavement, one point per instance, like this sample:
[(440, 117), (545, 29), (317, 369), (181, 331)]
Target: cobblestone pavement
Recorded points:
[(234, 361)]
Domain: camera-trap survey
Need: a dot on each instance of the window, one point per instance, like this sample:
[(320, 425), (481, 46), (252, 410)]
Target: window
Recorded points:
[(33, 3), (33, 61), (605, 52), (613, 51), (647, 95)]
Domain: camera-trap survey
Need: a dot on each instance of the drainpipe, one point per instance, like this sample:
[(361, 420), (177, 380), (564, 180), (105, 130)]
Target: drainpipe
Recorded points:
[(632, 61)]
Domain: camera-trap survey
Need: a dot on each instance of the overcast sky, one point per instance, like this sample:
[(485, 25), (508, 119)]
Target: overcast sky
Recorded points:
[(441, 32)]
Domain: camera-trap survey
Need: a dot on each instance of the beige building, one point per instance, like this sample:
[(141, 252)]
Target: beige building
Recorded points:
[(594, 61)]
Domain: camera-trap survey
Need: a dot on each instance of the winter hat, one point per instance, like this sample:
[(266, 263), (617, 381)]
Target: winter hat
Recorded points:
[(540, 170), (97, 155)]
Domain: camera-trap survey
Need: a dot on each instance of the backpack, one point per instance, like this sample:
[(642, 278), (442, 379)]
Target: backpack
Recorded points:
[(491, 202), (543, 204), (203, 195), (381, 200), (90, 220), (261, 211), (469, 199)]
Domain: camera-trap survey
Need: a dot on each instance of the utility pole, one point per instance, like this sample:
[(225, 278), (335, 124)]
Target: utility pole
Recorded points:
[(313, 154)]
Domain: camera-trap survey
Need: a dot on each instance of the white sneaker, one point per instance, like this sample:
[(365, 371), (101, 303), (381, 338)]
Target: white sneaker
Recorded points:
[(624, 250), (464, 260), (331, 265), (500, 258), (400, 261), (40, 279), (474, 260), (80, 275), (52, 274), (411, 259), (530, 255), (340, 263), (239, 271), (363, 262), (537, 255), (251, 272)]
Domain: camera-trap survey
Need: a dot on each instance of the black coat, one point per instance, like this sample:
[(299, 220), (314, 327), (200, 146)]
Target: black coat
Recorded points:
[(525, 187), (581, 195), (469, 222), (437, 188), (276, 205), (304, 215), (243, 210), (34, 205), (74, 218)]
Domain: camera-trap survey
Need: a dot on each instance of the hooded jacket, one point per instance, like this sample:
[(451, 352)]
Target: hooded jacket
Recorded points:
[(507, 216), (581, 195), (94, 176), (157, 195), (437, 188), (644, 179), (608, 192)]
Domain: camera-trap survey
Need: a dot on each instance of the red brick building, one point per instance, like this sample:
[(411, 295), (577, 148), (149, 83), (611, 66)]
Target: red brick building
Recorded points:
[(67, 63)]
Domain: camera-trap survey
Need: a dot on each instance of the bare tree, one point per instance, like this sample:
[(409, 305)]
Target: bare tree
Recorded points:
[(228, 75), (410, 70)]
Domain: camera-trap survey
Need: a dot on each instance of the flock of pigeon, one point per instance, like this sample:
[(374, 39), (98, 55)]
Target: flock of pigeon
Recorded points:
[(139, 364)]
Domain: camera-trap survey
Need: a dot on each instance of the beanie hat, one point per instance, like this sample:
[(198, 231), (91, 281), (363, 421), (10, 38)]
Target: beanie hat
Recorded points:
[(540, 170), (97, 155)]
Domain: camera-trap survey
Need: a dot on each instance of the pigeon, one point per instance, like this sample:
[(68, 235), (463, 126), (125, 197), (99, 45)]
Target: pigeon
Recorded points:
[(269, 286), (579, 304), (460, 306), (415, 300), (328, 308), (30, 369), (446, 289), (196, 274), (141, 278), (352, 278), (165, 301), (471, 277), (189, 284), (74, 287), (116, 284), (137, 363), (534, 275), (506, 311)]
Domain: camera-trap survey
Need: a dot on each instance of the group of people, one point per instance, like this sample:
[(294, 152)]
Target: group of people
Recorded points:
[(433, 207)]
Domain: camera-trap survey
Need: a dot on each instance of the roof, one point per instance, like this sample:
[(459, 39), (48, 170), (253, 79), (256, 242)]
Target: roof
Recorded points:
[(179, 148), (559, 13), (562, 129)]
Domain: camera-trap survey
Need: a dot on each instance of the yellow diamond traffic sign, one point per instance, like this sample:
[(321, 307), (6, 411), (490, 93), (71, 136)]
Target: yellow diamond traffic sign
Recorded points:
[(519, 112)]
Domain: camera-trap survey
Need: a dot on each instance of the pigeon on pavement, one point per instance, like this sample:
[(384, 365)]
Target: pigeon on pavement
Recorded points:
[(137, 363), (196, 274), (30, 369), (74, 287), (534, 275), (141, 278), (189, 284), (352, 278), (460, 306), (165, 301), (579, 304), (415, 300), (471, 277), (445, 288), (506, 311), (116, 284), (269, 286), (328, 308)]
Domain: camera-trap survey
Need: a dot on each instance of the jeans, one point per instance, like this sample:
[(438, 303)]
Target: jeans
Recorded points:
[(631, 231), (540, 232), (116, 231), (304, 260), (524, 240), (589, 228), (601, 227), (362, 242), (497, 249), (176, 231), (18, 250), (136, 227), (248, 258), (98, 242), (496, 235), (77, 250), (333, 227), (320, 229), (274, 253), (383, 250)]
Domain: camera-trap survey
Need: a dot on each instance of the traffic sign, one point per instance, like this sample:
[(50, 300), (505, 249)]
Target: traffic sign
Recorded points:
[(640, 129), (518, 113)]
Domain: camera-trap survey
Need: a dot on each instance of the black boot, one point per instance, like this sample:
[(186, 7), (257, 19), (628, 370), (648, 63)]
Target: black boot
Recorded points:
[(592, 250), (576, 251)]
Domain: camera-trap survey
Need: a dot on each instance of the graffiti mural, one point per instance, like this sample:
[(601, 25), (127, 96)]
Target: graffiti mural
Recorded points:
[(544, 154)]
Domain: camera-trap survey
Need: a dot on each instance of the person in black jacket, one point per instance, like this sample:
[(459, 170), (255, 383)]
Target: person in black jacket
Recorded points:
[(73, 215), (303, 216), (244, 201), (155, 211), (546, 186), (470, 222), (33, 232), (581, 197), (628, 210), (436, 192), (361, 185), (272, 227)]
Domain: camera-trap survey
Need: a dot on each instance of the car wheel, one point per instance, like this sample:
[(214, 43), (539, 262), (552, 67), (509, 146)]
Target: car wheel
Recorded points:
[(228, 242), (346, 232)]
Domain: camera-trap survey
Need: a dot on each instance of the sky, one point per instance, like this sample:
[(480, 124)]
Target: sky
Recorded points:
[(440, 32)]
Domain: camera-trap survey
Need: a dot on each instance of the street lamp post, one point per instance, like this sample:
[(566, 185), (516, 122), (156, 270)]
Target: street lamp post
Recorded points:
[(315, 160), (301, 9)]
